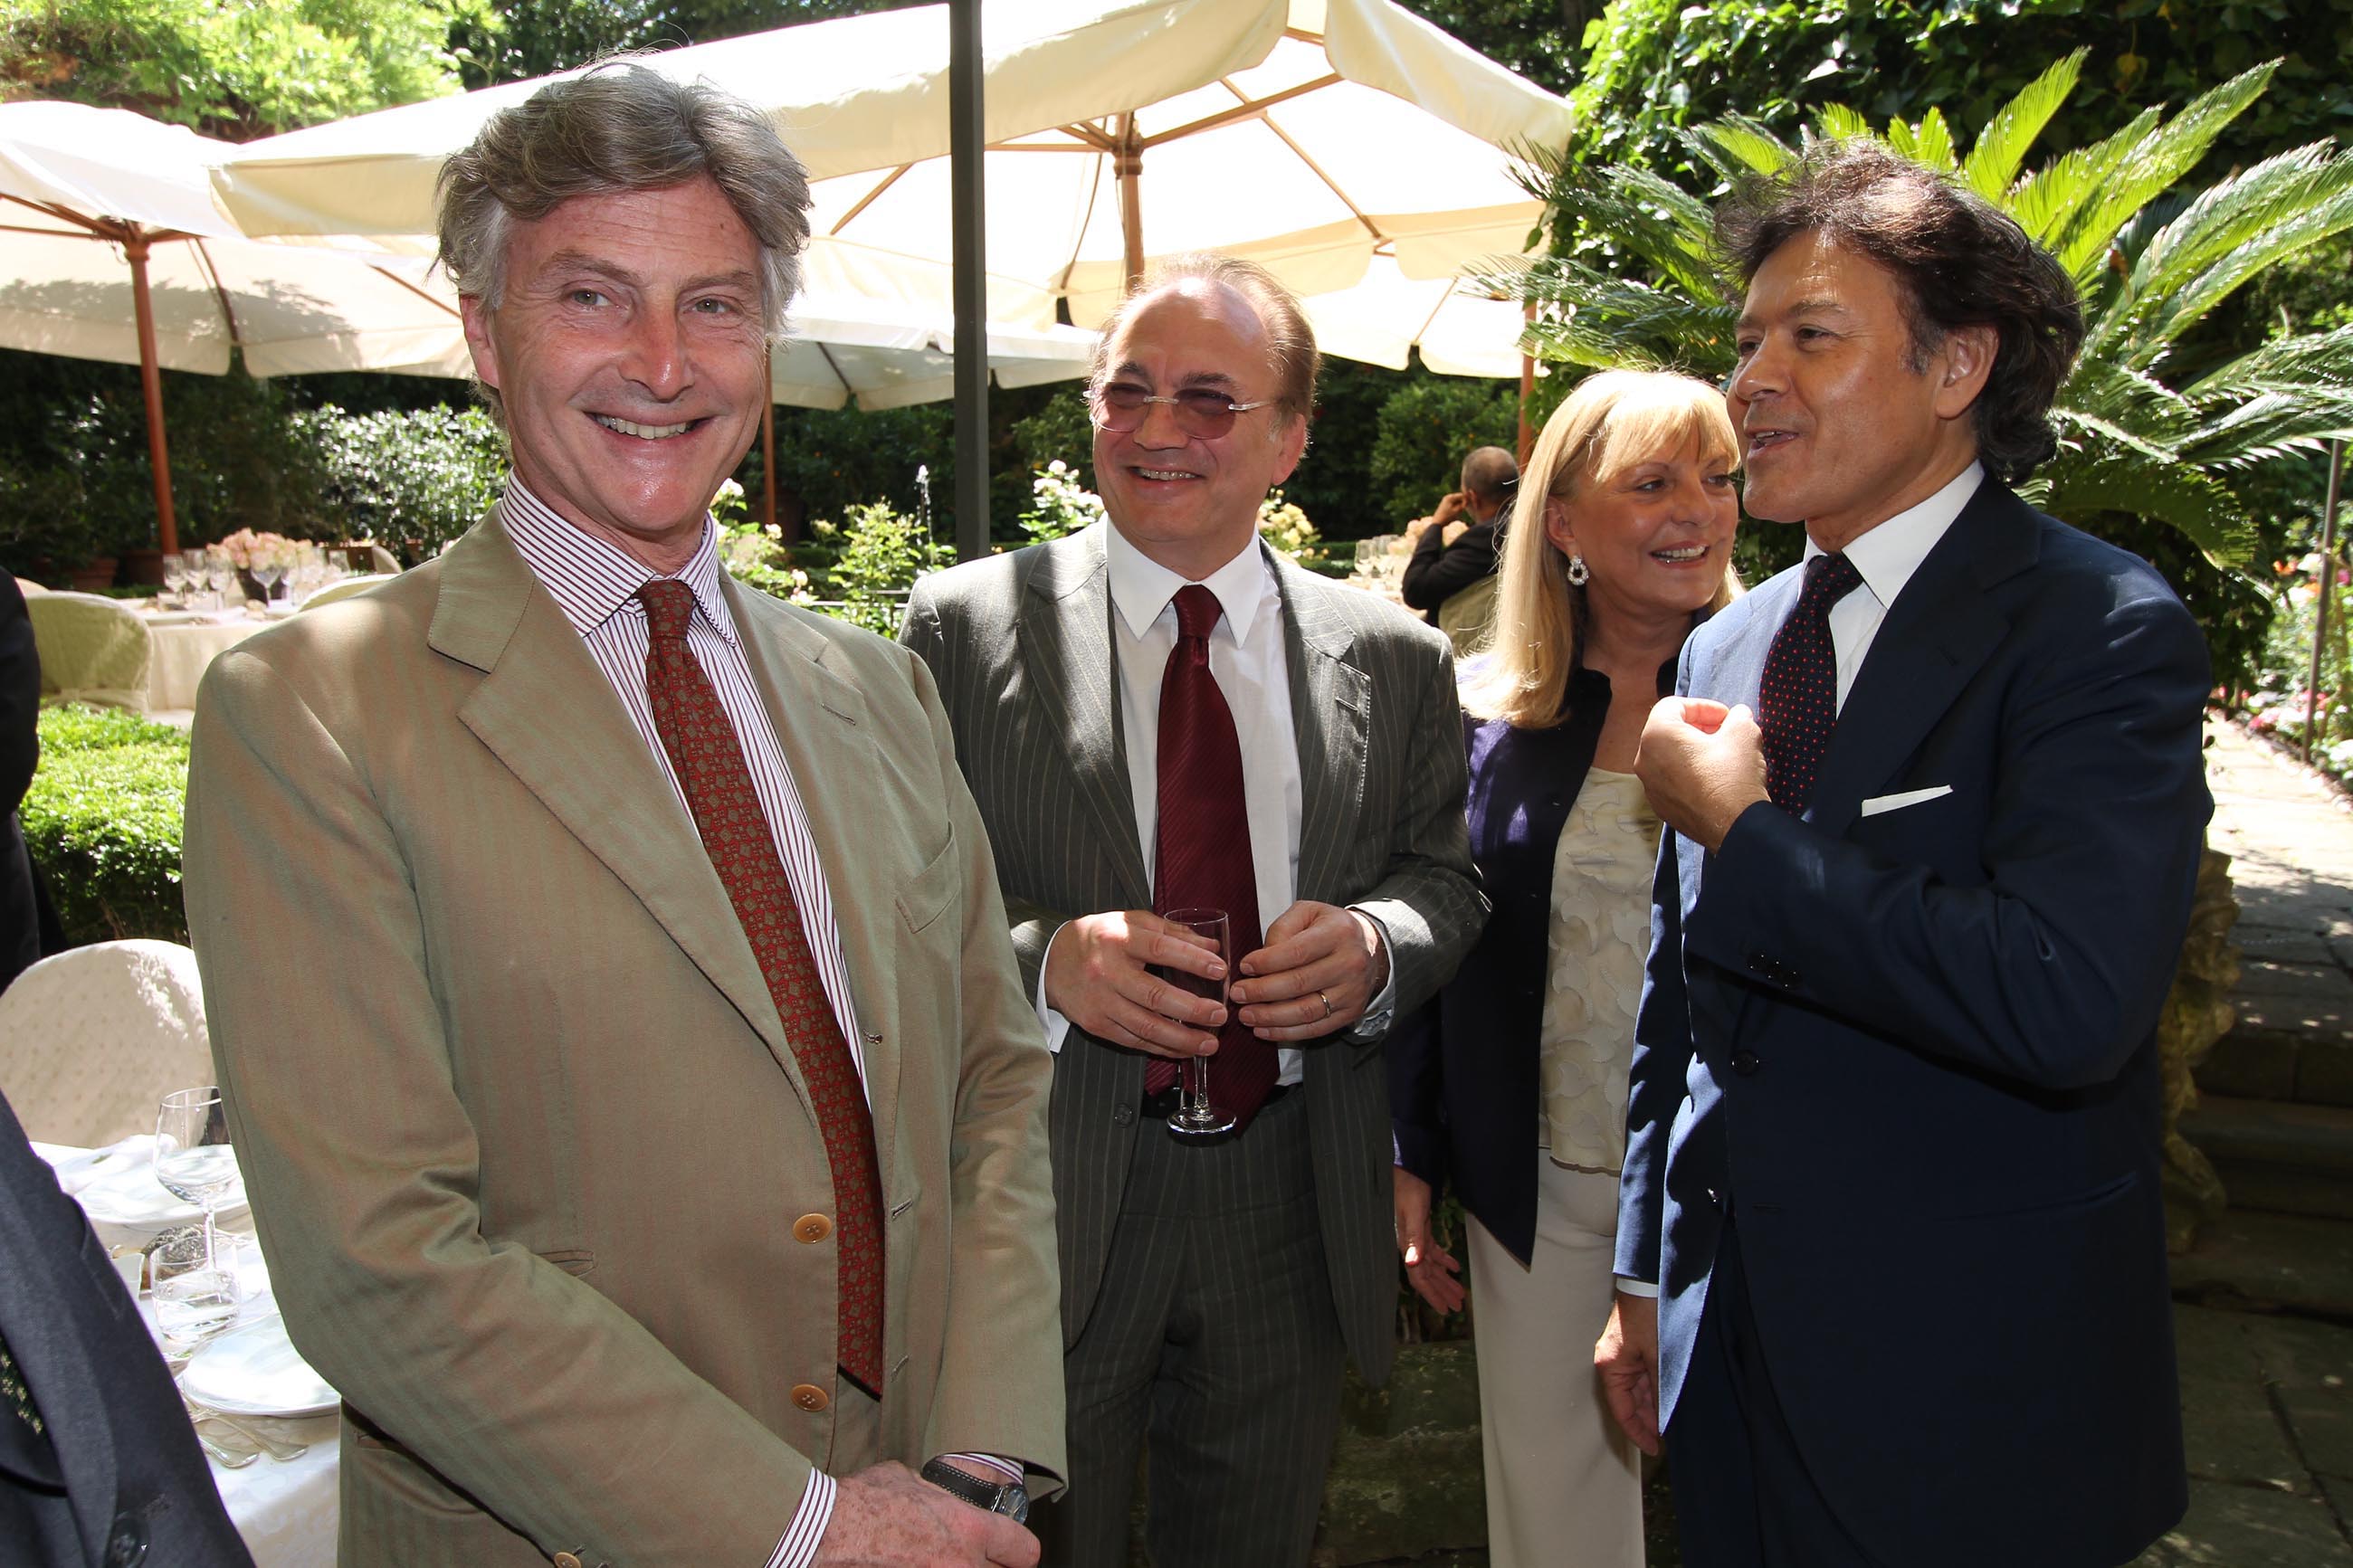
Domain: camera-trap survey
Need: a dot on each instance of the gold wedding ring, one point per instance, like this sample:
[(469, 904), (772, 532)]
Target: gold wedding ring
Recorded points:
[(1328, 1008)]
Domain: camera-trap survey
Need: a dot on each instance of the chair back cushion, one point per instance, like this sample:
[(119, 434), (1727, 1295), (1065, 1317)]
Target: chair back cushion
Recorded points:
[(92, 649), (92, 1037)]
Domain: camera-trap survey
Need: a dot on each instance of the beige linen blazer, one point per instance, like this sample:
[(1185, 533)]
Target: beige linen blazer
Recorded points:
[(525, 1140)]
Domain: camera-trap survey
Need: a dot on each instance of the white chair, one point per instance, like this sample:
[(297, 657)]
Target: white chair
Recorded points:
[(92, 650), (345, 587), (91, 1038), (29, 588)]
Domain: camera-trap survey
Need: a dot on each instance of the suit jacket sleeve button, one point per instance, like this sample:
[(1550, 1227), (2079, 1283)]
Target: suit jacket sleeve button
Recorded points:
[(1745, 1063), (126, 1544), (812, 1228), (567, 1560), (1123, 1115), (810, 1397)]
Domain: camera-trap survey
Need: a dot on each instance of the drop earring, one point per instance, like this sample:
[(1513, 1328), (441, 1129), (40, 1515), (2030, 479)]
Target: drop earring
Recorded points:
[(1577, 570)]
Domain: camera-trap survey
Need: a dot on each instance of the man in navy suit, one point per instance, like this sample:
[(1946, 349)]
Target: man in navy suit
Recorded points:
[(1891, 1244)]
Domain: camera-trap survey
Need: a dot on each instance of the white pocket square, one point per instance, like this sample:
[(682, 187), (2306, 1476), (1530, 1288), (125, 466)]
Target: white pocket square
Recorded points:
[(1878, 804)]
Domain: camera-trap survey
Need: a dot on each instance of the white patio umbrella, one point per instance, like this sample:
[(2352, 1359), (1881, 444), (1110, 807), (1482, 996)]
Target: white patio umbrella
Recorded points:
[(1460, 328), (112, 247)]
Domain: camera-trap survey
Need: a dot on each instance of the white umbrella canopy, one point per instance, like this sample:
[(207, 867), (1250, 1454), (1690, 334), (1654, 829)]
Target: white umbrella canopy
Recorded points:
[(1460, 328), (837, 348), (1308, 135)]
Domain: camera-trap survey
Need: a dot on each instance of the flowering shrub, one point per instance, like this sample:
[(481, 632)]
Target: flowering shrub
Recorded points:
[(1285, 528), (1063, 504), (2282, 692)]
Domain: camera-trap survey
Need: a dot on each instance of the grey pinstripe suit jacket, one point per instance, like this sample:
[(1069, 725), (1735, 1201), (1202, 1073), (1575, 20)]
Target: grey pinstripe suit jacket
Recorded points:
[(1020, 646)]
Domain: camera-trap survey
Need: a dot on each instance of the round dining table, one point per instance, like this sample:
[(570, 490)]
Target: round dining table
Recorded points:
[(185, 643)]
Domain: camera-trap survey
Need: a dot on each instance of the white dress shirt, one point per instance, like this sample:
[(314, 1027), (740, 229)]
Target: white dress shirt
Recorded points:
[(1245, 656), (596, 586), (1886, 556)]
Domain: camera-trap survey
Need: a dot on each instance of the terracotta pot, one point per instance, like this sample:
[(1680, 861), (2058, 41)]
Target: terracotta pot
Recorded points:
[(144, 566), (94, 577)]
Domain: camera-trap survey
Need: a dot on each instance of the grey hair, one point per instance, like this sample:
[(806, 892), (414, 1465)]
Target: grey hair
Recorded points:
[(616, 127), (1291, 341)]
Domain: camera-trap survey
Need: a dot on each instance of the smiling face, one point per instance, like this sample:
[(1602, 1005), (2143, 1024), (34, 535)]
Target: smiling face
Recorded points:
[(1655, 533), (630, 361), (1192, 503), (1845, 424)]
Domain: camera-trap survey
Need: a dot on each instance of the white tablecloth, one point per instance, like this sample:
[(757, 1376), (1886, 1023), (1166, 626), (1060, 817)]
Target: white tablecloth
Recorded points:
[(286, 1512), (183, 651)]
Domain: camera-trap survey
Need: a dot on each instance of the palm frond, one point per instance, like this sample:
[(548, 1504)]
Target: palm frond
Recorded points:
[(1836, 122), (2090, 434), (1608, 322), (2077, 484), (2329, 211), (1932, 142), (1736, 145), (2047, 200), (2000, 148), (2285, 365), (2151, 163), (2129, 400), (2272, 424)]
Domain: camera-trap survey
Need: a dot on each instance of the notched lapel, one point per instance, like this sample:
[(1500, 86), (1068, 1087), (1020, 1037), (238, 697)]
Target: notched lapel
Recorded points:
[(548, 714), (1066, 648), (1330, 720)]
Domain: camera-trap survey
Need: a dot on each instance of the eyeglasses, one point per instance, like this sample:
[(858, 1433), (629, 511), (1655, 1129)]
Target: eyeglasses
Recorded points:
[(1121, 408)]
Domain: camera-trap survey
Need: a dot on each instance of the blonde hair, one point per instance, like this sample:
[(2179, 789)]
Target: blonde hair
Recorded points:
[(1610, 422)]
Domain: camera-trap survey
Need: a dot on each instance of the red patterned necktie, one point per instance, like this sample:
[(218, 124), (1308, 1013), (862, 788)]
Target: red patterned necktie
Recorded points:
[(708, 760), (1797, 705), (1202, 847)]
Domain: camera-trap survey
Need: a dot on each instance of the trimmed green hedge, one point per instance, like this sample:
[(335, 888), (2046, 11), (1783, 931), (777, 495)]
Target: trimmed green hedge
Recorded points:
[(103, 820)]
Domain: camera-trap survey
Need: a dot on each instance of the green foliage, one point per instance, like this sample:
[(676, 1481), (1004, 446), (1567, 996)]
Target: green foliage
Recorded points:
[(831, 459), (229, 69), (882, 554), (1061, 431), (413, 479), (1424, 430), (2160, 430), (1060, 504), (103, 819)]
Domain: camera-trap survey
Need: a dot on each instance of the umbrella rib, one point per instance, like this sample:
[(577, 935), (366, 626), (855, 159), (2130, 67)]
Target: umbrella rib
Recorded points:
[(228, 311), (396, 278), (1333, 186), (1248, 109), (869, 199)]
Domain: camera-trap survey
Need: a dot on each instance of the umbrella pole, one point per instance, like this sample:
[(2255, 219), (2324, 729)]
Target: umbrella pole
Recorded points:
[(966, 209), (151, 382), (1127, 164), (1527, 441)]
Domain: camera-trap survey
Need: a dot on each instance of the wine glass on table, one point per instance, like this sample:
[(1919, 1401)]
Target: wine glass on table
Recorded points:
[(193, 1157), (267, 574), (1194, 1116), (175, 575)]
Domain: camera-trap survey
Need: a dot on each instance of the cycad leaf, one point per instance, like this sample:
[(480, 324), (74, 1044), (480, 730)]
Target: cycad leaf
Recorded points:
[(2272, 425), (2047, 200), (2151, 163), (1993, 163), (1736, 145), (1836, 122), (2329, 211), (2323, 360), (2201, 507), (1932, 143), (2129, 400)]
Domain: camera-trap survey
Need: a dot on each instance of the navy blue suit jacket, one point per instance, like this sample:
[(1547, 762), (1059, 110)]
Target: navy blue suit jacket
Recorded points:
[(1914, 1052)]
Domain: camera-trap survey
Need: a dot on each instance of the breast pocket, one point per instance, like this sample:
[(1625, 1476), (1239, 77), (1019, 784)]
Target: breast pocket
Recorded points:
[(932, 891)]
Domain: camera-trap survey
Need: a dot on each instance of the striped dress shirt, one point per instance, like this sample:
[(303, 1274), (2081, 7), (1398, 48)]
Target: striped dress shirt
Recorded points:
[(596, 586)]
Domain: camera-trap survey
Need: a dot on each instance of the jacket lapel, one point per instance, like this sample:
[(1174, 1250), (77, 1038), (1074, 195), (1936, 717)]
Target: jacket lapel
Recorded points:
[(1939, 633), (548, 712), (1330, 719), (820, 723), (1066, 647)]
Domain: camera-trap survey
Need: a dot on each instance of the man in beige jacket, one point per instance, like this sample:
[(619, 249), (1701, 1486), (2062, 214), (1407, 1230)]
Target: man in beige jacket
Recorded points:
[(643, 1116)]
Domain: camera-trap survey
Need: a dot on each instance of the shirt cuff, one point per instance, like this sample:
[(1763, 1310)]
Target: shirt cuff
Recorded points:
[(1008, 1471), (1379, 1013), (1053, 1023), (805, 1533), (1630, 1287)]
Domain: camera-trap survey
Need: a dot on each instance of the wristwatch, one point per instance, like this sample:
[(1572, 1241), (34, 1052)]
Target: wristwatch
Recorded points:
[(1009, 1498)]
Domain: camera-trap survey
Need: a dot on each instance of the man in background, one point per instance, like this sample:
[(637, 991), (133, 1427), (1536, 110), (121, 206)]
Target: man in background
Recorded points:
[(1450, 578), (1160, 712)]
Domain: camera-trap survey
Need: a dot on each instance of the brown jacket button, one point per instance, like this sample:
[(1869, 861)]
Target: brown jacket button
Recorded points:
[(812, 1228), (810, 1397)]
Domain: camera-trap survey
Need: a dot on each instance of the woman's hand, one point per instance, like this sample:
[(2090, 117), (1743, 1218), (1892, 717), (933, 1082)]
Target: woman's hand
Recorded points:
[(1431, 1269)]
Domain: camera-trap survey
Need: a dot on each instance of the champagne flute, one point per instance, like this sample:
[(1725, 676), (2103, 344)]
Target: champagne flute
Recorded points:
[(193, 1157), (1194, 1116)]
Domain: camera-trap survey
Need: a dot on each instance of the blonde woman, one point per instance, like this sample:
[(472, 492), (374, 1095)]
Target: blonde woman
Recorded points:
[(1511, 1085)]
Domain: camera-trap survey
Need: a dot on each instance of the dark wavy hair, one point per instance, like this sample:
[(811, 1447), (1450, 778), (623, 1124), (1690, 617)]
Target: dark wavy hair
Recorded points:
[(1958, 260)]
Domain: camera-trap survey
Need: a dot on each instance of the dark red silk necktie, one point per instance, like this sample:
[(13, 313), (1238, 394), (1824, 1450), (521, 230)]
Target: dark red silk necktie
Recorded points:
[(1202, 847), (708, 762), (1797, 703)]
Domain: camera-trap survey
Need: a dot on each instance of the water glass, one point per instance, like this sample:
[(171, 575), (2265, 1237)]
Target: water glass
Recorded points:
[(195, 1299)]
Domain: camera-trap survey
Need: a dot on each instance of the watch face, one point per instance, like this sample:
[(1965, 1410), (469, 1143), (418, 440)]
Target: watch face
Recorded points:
[(1014, 1505)]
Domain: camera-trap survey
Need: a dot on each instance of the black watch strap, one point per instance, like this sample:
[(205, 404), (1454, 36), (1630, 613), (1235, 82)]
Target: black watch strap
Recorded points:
[(1009, 1498)]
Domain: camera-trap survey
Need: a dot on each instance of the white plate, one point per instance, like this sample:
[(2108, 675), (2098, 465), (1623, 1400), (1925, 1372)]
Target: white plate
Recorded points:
[(135, 1201), (279, 611), (253, 1371)]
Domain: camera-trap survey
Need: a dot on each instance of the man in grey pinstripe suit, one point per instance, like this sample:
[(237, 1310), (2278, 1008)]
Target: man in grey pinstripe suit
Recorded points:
[(1211, 1291)]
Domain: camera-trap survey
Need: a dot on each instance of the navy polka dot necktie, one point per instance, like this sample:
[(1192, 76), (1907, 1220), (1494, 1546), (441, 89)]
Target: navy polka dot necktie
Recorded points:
[(1797, 706)]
